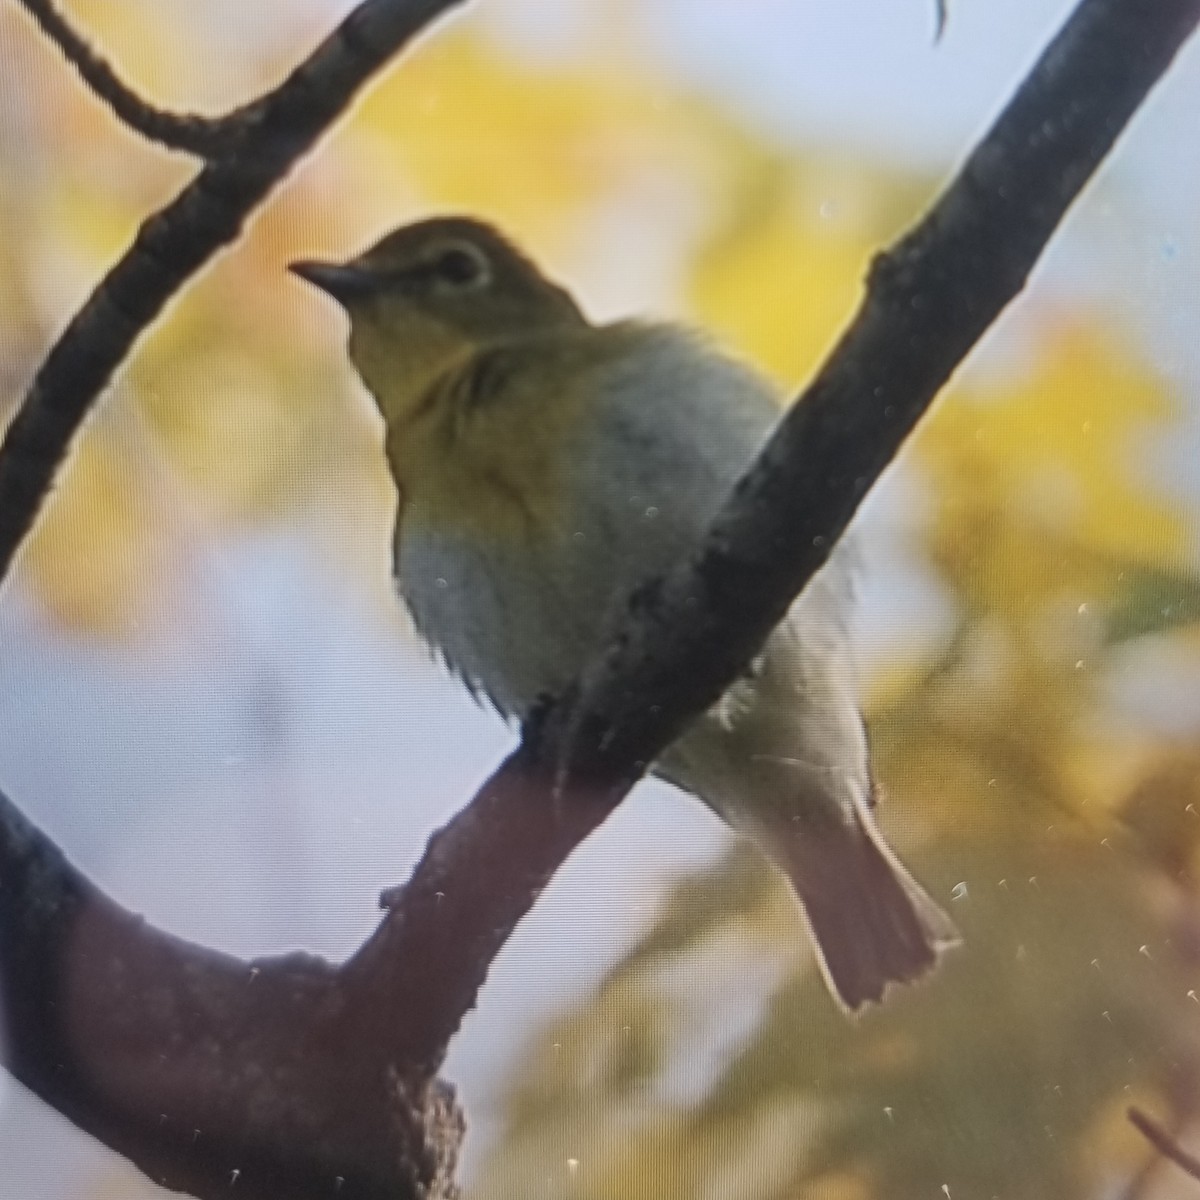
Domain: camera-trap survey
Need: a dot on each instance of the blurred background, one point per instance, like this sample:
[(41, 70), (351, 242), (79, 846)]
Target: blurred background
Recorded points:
[(210, 698)]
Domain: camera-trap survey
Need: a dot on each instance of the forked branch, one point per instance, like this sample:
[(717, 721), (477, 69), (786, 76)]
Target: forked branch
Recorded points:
[(175, 243), (205, 137)]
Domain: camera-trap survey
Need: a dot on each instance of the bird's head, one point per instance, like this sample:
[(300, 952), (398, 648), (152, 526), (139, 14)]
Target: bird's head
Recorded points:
[(428, 294)]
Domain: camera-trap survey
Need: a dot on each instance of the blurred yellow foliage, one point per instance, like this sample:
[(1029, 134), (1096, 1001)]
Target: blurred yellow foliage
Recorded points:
[(98, 542), (1054, 457), (533, 146), (781, 276)]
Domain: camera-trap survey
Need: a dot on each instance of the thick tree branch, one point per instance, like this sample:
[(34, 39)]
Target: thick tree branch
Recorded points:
[(206, 137), (291, 1070), (685, 639), (175, 243), (203, 1070), (929, 300)]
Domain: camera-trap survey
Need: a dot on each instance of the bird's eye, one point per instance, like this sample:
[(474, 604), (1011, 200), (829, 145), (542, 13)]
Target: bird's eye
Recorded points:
[(460, 267)]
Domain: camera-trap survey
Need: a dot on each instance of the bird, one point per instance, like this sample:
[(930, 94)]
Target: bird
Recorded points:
[(545, 467)]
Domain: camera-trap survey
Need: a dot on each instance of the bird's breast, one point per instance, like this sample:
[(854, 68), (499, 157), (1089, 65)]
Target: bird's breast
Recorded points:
[(514, 615), (520, 542)]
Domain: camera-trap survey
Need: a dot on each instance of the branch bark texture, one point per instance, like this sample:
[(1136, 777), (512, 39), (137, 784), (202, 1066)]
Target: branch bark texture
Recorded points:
[(293, 1078), (207, 1072), (203, 136), (929, 300)]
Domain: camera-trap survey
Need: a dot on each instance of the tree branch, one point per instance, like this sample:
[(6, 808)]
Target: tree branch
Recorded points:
[(1163, 1142), (203, 1070), (292, 1071), (686, 638), (205, 137), (175, 243), (929, 300)]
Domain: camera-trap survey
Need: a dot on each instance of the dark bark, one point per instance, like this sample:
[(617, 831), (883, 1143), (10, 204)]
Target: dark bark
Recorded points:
[(262, 143), (929, 300), (204, 1070), (1164, 1142), (207, 137)]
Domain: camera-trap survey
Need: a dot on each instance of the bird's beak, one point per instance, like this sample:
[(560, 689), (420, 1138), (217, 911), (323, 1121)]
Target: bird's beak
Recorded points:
[(343, 281)]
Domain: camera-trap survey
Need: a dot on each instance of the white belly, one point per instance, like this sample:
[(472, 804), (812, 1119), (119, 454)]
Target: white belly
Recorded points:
[(514, 621)]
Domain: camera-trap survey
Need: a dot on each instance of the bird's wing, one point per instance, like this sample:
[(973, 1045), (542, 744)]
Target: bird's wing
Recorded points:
[(673, 425)]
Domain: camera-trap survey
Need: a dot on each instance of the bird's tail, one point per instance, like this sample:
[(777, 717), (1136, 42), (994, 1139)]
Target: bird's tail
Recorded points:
[(872, 922)]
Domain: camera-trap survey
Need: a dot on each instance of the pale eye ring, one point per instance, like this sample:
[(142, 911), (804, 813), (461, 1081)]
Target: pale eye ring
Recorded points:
[(461, 267)]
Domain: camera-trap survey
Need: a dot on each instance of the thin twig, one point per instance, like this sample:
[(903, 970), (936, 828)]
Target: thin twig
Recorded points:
[(205, 137), (175, 243), (1163, 1142)]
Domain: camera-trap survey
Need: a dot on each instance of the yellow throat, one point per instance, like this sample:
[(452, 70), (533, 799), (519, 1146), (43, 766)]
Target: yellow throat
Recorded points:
[(473, 358)]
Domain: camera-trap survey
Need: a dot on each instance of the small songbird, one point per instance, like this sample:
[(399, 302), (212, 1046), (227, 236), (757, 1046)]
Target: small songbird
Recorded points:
[(545, 467)]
